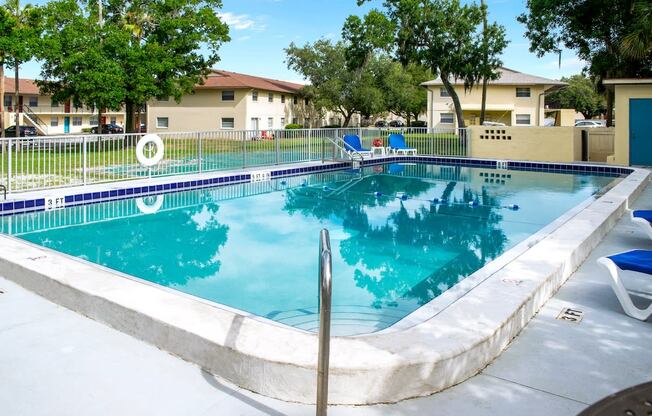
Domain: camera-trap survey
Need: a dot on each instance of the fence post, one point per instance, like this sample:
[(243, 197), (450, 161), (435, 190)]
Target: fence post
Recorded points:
[(277, 146), (84, 161), (309, 147), (199, 153), (244, 149), (9, 187)]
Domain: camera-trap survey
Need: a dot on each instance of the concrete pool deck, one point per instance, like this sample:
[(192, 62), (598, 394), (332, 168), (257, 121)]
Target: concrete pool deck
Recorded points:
[(56, 362)]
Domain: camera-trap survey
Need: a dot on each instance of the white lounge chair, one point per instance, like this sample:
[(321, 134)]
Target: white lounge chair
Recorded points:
[(644, 219), (635, 261)]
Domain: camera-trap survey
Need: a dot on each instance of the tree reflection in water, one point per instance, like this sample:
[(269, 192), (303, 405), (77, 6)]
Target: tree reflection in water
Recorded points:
[(422, 249)]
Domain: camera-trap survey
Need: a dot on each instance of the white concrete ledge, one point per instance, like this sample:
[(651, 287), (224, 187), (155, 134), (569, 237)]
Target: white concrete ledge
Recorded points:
[(280, 361)]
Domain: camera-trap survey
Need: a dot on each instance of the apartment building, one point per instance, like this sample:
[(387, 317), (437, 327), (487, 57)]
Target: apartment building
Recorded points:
[(514, 99), (230, 100), (47, 116)]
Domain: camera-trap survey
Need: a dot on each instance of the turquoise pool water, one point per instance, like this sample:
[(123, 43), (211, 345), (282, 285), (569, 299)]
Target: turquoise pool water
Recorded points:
[(254, 246)]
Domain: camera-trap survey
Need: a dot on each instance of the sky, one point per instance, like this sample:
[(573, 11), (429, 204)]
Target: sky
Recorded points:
[(260, 30)]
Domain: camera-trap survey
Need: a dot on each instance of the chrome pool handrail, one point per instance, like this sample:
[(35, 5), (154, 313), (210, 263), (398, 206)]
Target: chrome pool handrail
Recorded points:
[(325, 291)]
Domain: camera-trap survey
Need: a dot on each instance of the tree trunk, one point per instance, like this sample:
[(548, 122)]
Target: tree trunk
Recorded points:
[(456, 100), (17, 95), (610, 107), (2, 98), (99, 120), (483, 106), (347, 119), (129, 122)]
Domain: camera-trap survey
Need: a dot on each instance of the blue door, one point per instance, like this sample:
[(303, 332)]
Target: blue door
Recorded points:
[(66, 124), (640, 131)]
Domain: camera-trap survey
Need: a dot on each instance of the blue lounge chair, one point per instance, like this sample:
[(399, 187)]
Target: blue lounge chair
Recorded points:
[(397, 145), (644, 219), (352, 145), (637, 261)]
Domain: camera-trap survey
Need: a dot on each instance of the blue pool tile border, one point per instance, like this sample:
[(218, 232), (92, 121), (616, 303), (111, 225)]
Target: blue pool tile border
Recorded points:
[(38, 204)]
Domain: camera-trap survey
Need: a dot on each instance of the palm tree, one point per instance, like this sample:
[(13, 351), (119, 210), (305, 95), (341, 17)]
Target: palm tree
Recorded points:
[(637, 45)]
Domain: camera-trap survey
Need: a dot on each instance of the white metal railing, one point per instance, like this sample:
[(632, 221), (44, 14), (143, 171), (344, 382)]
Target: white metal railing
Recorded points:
[(44, 162)]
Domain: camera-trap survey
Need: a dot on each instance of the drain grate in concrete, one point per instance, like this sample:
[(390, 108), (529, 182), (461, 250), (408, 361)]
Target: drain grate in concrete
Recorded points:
[(571, 315)]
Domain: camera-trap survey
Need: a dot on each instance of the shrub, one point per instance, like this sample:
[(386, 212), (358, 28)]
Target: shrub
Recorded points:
[(86, 130), (331, 126), (293, 126)]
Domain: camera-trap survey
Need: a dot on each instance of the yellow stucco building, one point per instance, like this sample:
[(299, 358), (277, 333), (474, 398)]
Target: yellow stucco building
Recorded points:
[(229, 100), (515, 99), (47, 116), (633, 120)]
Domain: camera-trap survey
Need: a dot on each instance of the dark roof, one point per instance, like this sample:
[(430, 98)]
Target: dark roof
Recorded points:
[(25, 86), (509, 77), (219, 79)]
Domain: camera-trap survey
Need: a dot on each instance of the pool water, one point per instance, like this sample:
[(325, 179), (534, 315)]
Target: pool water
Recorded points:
[(254, 246)]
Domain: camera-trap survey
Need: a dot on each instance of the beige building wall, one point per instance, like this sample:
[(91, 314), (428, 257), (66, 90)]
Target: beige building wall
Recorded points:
[(546, 144), (621, 105), (502, 105)]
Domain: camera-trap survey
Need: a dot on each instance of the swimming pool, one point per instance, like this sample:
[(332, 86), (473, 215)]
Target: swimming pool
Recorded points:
[(402, 234)]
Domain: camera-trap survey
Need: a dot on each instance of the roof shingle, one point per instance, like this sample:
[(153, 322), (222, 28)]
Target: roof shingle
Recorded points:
[(25, 86), (219, 79), (509, 77)]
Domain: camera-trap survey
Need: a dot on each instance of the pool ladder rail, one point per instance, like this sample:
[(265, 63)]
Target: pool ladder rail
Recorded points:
[(325, 292)]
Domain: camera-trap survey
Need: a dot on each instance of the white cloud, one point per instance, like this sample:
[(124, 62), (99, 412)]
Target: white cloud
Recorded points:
[(243, 38), (241, 22)]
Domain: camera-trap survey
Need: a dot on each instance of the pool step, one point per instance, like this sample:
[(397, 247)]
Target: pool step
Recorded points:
[(345, 319)]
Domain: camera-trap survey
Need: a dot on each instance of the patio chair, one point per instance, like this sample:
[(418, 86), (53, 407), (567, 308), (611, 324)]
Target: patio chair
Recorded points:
[(352, 145), (636, 261), (397, 145), (644, 219)]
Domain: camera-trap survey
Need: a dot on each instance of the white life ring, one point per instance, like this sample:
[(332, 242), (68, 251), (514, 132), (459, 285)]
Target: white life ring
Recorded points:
[(146, 207), (140, 150)]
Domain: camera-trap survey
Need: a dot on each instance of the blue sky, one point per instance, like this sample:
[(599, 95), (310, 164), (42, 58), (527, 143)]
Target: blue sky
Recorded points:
[(261, 29)]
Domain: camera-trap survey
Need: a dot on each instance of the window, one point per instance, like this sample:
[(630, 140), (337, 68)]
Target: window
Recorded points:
[(305, 101), (446, 118), (283, 98), (282, 122), (33, 101), (270, 98), (76, 121), (295, 120), (113, 120), (254, 96), (54, 103), (443, 92), (228, 95), (93, 121), (162, 122), (7, 100), (270, 122), (523, 119), (295, 100), (306, 122), (228, 122), (54, 121), (523, 92)]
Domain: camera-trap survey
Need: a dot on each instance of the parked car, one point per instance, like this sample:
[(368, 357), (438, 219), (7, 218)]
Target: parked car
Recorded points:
[(493, 123), (396, 123), (108, 129), (381, 124), (589, 123), (418, 123), (25, 131)]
